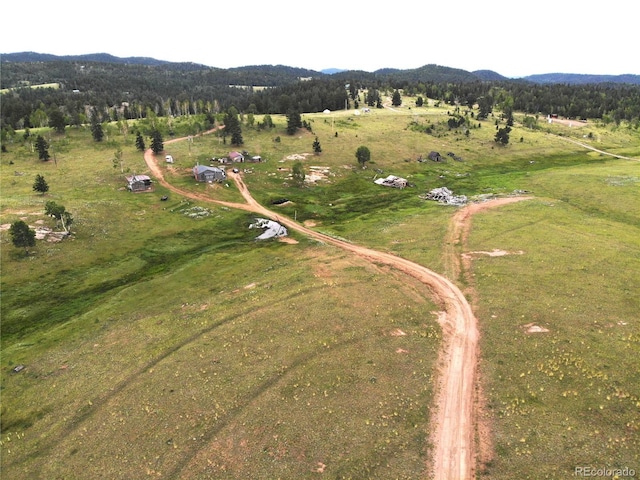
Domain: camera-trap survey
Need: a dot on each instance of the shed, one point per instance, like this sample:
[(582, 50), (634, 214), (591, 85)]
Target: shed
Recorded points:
[(436, 157), (169, 159), (236, 157), (139, 183), (203, 173)]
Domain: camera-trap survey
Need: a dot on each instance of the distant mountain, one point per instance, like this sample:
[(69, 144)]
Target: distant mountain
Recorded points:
[(92, 57), (428, 73), (489, 76), (581, 79), (274, 74)]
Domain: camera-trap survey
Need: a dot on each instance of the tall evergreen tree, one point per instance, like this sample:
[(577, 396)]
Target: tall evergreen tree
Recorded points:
[(232, 126), (396, 99), (43, 148), (294, 122), (96, 130), (157, 142), (140, 142)]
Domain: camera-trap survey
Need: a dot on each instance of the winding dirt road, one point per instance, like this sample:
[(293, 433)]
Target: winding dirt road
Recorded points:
[(453, 439)]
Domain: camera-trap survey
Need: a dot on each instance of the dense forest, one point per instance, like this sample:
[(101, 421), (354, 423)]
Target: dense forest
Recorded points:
[(76, 90)]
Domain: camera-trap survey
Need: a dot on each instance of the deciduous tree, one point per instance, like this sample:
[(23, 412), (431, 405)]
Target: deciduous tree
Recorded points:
[(363, 155), (57, 120), (298, 174), (59, 212)]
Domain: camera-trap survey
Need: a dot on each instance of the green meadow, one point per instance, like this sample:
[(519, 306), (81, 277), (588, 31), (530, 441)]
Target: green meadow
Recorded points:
[(162, 340)]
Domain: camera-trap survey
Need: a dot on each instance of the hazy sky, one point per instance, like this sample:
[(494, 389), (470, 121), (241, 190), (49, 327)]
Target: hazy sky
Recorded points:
[(512, 37)]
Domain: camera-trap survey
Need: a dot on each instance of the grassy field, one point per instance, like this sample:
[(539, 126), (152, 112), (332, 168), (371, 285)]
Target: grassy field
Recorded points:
[(158, 342)]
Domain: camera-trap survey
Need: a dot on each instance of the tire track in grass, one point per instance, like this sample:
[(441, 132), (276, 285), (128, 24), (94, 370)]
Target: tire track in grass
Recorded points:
[(299, 361), (88, 411)]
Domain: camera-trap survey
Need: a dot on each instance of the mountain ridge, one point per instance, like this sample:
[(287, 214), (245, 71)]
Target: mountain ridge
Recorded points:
[(437, 72)]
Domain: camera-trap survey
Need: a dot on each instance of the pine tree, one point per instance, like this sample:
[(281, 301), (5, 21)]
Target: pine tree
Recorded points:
[(43, 148), (140, 142), (502, 135), (396, 99), (157, 143), (294, 122), (40, 184), (316, 146), (232, 126)]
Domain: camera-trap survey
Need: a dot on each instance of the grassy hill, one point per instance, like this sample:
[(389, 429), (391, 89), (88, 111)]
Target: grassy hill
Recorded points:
[(162, 340)]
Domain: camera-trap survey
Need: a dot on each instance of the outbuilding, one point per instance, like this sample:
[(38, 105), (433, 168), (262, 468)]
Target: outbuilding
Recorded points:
[(236, 157), (139, 183)]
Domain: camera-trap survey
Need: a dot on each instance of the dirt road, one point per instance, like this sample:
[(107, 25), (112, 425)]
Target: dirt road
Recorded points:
[(453, 439)]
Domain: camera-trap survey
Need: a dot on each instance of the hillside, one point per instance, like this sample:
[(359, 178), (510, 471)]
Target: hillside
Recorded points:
[(580, 79)]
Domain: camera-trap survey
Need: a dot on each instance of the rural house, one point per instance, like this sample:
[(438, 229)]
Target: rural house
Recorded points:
[(139, 183), (203, 173)]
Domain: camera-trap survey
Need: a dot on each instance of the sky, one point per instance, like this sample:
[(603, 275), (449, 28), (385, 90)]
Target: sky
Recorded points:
[(512, 37)]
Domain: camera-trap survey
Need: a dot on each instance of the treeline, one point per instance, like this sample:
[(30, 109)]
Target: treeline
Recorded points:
[(608, 102), (132, 91)]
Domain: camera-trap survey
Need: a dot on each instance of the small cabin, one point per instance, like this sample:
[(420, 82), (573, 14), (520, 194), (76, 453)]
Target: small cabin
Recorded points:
[(203, 173), (139, 183)]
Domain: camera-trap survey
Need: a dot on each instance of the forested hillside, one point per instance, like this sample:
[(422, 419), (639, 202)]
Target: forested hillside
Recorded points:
[(81, 88)]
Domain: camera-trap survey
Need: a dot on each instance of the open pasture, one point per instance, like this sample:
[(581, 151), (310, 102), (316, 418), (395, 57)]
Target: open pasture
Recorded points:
[(164, 344)]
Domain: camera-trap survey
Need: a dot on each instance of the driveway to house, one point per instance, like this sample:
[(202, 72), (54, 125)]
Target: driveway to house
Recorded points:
[(453, 439)]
